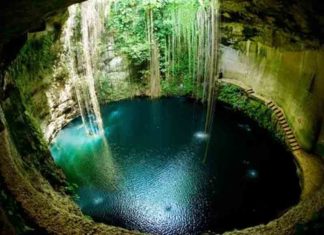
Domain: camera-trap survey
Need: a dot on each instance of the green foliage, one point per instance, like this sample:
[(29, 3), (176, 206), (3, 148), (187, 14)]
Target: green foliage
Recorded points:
[(181, 87), (255, 109), (32, 71), (127, 22), (72, 189), (77, 32), (110, 90), (33, 124), (249, 32), (34, 59)]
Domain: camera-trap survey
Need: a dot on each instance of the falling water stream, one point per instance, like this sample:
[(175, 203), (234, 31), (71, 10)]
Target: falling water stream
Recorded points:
[(195, 34), (92, 20), (81, 52), (155, 88)]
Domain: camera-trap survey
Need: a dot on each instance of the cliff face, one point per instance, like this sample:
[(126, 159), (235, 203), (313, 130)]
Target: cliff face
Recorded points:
[(289, 24), (20, 17), (112, 83), (272, 46), (293, 79), (40, 73), (275, 47)]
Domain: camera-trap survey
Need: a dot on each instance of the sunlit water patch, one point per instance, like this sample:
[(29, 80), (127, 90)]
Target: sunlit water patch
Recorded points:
[(200, 135), (161, 184)]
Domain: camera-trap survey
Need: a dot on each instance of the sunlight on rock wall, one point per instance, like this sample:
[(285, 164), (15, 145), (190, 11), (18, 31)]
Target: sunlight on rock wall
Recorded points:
[(293, 79)]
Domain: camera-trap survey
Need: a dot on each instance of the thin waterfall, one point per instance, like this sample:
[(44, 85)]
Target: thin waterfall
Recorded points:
[(89, 16), (71, 63), (82, 36), (154, 79), (201, 51), (182, 41), (195, 35), (90, 23), (212, 72)]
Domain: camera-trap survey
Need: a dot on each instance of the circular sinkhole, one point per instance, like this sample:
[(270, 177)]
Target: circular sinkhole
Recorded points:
[(159, 177)]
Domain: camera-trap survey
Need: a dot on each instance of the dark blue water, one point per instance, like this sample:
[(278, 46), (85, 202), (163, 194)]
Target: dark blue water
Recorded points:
[(158, 178)]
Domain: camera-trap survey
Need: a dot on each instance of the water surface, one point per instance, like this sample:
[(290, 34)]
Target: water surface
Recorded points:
[(156, 179)]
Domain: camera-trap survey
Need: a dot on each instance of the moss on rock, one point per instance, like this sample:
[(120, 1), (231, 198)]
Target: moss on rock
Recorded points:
[(291, 24), (255, 109)]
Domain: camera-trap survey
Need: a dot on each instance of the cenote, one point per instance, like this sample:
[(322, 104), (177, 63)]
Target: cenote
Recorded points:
[(162, 117), (159, 178)]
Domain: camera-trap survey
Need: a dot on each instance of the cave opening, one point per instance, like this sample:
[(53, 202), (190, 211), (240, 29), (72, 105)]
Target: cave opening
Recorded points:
[(161, 117)]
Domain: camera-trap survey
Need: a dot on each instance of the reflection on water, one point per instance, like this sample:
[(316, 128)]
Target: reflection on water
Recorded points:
[(163, 186), (201, 135)]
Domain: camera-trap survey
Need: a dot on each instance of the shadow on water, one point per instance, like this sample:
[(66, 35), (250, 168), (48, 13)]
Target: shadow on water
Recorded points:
[(163, 186)]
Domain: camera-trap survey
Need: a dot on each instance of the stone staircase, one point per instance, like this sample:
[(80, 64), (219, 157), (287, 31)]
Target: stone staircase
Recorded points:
[(249, 91), (290, 137)]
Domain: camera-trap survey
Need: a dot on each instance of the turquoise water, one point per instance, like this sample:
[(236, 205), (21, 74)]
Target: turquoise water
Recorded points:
[(154, 177)]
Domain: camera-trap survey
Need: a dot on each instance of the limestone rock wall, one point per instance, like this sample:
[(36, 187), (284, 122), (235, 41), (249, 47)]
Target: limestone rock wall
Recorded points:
[(114, 76), (294, 79), (112, 83), (62, 108)]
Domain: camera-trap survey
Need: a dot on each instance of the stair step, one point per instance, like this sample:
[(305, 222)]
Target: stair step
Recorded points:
[(287, 129), (289, 133), (282, 118), (296, 148), (285, 125), (278, 111)]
